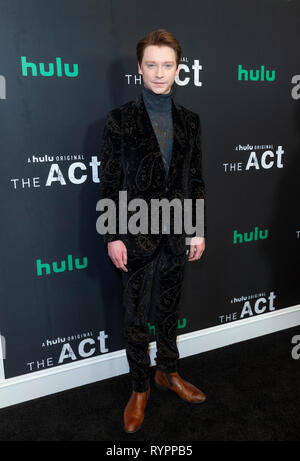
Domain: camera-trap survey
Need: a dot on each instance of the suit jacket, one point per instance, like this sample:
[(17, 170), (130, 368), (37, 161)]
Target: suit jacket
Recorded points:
[(131, 160)]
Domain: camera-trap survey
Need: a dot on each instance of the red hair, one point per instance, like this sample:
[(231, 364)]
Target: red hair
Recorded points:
[(158, 37)]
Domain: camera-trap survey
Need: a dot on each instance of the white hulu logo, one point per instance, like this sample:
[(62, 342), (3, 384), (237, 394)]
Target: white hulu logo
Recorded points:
[(2, 87)]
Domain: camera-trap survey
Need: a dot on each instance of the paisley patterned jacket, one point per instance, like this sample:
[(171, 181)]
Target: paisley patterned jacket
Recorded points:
[(131, 160)]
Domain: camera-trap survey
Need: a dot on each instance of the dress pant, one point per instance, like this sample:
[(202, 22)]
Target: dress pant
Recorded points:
[(152, 282)]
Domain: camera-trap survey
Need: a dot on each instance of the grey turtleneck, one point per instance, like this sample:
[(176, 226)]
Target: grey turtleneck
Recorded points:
[(159, 108)]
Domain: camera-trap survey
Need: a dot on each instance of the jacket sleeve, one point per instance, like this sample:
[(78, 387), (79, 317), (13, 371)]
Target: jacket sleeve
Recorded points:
[(197, 185), (111, 171)]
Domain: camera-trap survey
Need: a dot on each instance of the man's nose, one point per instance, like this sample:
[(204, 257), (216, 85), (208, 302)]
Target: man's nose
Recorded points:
[(159, 71)]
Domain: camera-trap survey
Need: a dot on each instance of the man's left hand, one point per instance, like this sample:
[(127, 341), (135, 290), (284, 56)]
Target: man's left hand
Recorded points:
[(197, 246)]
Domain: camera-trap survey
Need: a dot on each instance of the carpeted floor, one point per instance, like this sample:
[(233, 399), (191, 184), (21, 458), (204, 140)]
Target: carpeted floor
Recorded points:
[(252, 392)]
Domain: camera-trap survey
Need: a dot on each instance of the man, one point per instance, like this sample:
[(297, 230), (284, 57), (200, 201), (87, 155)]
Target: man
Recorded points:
[(151, 149)]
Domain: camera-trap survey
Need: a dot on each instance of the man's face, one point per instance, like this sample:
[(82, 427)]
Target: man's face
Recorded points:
[(158, 68)]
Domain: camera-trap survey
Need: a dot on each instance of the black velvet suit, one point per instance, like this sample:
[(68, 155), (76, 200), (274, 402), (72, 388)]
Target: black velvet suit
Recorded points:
[(131, 160)]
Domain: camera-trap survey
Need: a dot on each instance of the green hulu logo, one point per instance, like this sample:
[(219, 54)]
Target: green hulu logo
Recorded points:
[(248, 237), (64, 265), (59, 70), (255, 75), (180, 324)]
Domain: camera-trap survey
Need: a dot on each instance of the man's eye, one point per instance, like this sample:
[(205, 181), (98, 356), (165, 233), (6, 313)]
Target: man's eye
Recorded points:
[(166, 65)]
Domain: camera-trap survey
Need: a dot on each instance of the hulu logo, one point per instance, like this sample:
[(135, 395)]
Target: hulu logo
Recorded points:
[(62, 267), (180, 324), (248, 237), (2, 87), (255, 75), (59, 70)]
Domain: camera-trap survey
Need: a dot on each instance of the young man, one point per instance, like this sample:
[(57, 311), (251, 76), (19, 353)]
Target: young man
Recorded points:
[(151, 149)]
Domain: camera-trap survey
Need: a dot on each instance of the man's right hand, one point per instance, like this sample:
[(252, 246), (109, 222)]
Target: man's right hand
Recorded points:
[(117, 252)]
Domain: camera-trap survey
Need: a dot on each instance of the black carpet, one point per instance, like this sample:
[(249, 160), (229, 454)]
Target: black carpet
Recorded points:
[(252, 391)]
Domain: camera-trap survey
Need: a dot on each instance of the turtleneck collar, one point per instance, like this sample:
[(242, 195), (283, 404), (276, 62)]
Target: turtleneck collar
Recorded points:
[(157, 102)]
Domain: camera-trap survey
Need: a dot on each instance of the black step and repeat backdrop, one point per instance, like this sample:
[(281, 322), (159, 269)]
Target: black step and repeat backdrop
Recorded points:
[(63, 66)]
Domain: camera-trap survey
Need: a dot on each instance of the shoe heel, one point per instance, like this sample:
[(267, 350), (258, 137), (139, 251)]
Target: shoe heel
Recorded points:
[(161, 388)]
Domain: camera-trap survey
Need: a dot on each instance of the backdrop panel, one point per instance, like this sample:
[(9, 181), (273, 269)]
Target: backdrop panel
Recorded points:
[(63, 67)]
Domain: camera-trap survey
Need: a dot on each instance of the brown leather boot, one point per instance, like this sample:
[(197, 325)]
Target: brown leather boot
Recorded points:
[(185, 390), (135, 410)]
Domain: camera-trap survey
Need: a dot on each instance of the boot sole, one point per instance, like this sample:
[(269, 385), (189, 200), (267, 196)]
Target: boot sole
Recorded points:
[(132, 432), (163, 388)]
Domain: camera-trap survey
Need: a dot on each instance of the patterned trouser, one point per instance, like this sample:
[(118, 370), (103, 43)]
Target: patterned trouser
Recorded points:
[(152, 283)]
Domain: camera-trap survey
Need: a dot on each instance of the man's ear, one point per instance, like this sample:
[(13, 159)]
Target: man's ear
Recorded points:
[(139, 69)]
